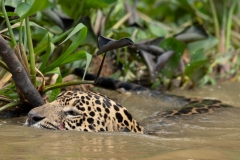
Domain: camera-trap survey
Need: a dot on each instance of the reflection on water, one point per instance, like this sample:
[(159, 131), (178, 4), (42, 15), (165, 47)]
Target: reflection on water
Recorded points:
[(226, 92), (33, 143), (206, 136)]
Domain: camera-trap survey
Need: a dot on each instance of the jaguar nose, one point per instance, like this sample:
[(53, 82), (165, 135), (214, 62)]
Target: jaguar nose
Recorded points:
[(34, 118)]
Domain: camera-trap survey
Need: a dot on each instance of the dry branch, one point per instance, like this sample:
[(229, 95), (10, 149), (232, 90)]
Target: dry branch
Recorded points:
[(19, 74)]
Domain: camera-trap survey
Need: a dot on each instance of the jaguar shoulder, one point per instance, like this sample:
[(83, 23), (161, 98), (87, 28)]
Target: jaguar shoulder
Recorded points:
[(83, 111)]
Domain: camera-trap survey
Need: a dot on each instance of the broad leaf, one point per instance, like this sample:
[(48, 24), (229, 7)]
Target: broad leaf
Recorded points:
[(171, 44), (196, 70), (198, 55), (156, 30), (75, 43), (22, 8), (206, 44), (12, 3), (25, 9)]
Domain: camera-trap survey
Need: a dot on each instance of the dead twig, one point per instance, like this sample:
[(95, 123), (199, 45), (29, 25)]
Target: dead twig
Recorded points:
[(19, 74)]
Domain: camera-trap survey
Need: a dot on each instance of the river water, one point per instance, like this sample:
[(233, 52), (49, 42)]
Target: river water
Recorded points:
[(199, 137)]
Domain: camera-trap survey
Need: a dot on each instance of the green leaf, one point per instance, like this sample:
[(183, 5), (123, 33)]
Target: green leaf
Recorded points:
[(43, 43), (74, 57), (9, 14), (25, 9), (196, 70), (99, 3), (73, 32), (176, 46), (186, 4), (16, 25), (54, 71), (46, 56), (157, 31), (12, 3), (55, 92), (205, 44), (155, 84), (75, 43), (22, 8), (36, 25), (89, 59), (9, 92), (10, 105), (57, 38), (197, 55), (173, 44), (122, 33)]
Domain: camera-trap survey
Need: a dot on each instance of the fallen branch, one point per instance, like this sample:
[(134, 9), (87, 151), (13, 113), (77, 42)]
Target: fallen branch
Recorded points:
[(19, 74)]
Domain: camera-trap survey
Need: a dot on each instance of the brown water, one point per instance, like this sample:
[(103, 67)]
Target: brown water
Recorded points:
[(206, 136)]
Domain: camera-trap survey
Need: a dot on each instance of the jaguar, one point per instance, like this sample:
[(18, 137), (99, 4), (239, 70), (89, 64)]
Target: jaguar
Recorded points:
[(83, 111), (95, 112)]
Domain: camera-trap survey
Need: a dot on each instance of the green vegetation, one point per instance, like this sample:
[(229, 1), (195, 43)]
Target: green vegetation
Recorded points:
[(39, 54), (51, 38)]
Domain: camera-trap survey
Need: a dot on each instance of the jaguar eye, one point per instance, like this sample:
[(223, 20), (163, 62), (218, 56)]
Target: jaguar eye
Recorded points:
[(71, 113)]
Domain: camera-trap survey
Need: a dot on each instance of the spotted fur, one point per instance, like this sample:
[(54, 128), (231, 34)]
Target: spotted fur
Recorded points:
[(195, 106), (83, 111)]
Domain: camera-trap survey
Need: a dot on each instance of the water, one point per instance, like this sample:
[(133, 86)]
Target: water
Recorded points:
[(206, 136)]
